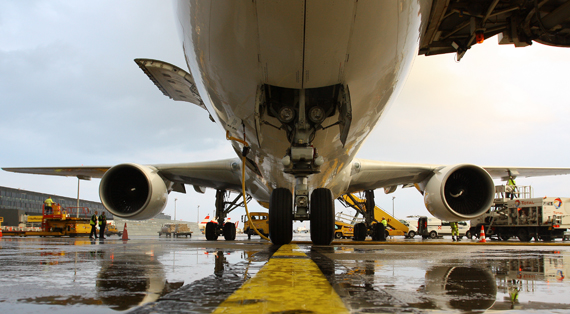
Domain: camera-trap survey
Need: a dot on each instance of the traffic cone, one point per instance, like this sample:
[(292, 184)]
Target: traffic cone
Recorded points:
[(482, 235), (125, 233), (0, 232)]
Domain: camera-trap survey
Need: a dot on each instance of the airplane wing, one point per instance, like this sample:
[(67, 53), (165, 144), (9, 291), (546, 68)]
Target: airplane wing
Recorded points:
[(371, 174), (455, 26), (219, 174), (82, 172)]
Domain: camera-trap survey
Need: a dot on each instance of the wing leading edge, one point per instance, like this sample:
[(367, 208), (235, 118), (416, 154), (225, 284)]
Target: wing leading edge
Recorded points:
[(219, 174), (371, 174)]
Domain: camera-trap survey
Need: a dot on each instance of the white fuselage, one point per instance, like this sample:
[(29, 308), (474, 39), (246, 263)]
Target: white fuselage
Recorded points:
[(234, 46)]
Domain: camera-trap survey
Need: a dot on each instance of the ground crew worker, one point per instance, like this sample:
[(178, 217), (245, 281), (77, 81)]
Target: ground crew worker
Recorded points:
[(48, 206), (102, 225), (384, 222), (93, 223), (454, 231), (511, 187)]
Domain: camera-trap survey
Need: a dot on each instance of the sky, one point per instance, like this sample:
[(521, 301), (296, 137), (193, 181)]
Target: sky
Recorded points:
[(72, 95)]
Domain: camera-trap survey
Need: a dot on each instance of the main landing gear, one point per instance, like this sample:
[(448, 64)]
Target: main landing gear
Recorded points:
[(223, 208), (366, 208)]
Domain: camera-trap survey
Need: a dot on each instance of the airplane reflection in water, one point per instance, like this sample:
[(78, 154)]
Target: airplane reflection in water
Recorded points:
[(165, 278)]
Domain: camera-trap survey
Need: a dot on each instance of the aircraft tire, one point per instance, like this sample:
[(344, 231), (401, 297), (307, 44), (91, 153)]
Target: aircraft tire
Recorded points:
[(322, 216), (229, 231), (359, 232), (210, 231), (281, 216), (523, 235), (378, 232)]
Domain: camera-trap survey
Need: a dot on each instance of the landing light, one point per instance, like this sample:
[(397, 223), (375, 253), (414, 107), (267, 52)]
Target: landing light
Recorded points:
[(286, 114), (317, 114)]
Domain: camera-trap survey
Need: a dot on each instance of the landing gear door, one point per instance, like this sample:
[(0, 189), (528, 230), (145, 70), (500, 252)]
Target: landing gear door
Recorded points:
[(345, 113), (259, 108)]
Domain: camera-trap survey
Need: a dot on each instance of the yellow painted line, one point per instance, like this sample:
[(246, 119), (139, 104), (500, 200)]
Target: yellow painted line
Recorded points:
[(289, 283)]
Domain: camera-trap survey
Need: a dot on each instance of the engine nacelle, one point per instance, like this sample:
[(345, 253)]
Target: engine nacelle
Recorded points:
[(133, 191), (460, 192)]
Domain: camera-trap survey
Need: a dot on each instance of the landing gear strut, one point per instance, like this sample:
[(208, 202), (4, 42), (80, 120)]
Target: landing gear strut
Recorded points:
[(223, 208), (365, 208)]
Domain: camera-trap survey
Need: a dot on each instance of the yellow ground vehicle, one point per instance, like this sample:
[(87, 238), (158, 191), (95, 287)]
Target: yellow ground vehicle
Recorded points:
[(59, 222), (111, 229), (260, 221), (343, 230)]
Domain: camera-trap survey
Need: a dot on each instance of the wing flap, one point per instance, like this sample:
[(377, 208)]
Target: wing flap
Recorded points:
[(504, 172), (82, 172)]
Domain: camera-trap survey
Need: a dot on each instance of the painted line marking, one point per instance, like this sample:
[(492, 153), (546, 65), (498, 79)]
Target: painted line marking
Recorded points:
[(285, 285)]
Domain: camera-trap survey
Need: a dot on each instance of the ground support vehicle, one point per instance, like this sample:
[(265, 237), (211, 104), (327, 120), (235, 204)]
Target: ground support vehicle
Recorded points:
[(543, 218), (59, 222), (412, 227), (370, 225), (111, 229), (524, 217), (259, 220), (344, 226), (434, 228), (175, 230)]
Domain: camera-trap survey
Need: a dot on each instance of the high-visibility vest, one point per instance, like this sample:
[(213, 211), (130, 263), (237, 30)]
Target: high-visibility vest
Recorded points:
[(93, 219), (101, 219), (511, 182), (49, 202), (454, 226), (384, 222)]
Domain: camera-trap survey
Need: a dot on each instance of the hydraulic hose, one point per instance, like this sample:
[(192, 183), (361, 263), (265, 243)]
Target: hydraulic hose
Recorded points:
[(231, 138)]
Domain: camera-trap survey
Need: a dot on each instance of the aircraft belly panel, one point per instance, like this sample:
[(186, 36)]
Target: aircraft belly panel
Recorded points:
[(327, 30), (281, 25)]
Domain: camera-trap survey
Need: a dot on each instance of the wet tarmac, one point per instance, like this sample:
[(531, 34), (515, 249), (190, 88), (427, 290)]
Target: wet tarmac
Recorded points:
[(180, 275)]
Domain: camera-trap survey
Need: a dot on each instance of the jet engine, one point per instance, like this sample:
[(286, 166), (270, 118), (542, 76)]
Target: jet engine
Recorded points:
[(459, 192), (133, 191)]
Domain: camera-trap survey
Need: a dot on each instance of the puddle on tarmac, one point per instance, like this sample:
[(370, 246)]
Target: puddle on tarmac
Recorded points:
[(474, 281), (113, 276), (69, 276)]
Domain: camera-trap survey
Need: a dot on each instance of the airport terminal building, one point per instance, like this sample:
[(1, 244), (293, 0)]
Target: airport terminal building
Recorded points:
[(16, 202)]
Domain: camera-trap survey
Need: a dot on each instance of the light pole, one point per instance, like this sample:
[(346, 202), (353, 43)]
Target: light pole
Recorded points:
[(198, 215), (175, 208), (393, 198)]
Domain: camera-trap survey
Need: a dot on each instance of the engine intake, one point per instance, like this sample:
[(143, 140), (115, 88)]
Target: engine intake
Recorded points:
[(133, 191), (460, 192)]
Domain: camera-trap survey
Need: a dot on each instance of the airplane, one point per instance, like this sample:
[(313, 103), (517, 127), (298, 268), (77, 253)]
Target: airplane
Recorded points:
[(204, 222), (297, 86)]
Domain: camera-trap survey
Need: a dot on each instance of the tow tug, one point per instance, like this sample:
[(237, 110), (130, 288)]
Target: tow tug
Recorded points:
[(57, 223)]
